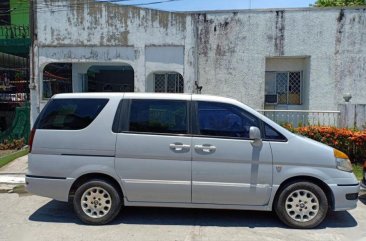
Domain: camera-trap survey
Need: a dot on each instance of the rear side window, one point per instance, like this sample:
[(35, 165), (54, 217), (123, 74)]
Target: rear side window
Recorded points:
[(158, 116), (70, 114), (224, 120)]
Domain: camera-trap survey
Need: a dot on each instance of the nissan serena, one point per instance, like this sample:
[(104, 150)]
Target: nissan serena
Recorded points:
[(103, 151)]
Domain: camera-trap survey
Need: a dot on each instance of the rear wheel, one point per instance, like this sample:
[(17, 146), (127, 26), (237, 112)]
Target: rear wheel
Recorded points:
[(302, 205), (97, 202)]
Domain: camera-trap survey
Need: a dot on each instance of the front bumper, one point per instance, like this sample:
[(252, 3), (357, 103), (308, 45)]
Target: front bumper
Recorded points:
[(345, 196), (55, 188)]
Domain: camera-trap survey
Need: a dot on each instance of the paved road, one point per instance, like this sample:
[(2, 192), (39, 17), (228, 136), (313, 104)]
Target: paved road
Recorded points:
[(27, 217)]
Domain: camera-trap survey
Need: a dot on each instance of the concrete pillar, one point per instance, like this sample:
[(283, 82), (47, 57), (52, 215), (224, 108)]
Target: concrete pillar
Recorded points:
[(139, 69), (34, 86)]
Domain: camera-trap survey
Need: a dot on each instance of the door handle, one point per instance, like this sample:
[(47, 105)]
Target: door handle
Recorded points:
[(205, 148), (179, 146)]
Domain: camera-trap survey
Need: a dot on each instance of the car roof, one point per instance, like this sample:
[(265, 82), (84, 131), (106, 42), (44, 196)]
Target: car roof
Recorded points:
[(167, 96)]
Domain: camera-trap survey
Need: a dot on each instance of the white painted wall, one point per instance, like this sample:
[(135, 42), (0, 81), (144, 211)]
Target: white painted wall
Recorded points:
[(233, 47)]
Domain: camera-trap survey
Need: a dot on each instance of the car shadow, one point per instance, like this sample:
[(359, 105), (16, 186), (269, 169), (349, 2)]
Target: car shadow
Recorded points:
[(59, 212), (362, 197)]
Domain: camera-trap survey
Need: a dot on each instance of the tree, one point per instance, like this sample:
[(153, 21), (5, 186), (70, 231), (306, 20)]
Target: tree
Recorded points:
[(339, 3)]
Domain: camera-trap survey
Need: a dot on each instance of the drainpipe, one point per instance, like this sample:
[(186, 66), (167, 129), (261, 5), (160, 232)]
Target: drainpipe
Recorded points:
[(196, 83), (33, 94), (33, 5)]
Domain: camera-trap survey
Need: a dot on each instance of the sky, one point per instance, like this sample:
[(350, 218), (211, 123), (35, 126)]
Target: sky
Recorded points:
[(197, 5)]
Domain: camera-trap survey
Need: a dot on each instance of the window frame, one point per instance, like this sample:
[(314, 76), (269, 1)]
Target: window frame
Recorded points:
[(123, 115)]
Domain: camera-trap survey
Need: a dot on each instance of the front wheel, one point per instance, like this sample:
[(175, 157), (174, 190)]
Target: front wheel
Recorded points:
[(301, 205), (97, 202)]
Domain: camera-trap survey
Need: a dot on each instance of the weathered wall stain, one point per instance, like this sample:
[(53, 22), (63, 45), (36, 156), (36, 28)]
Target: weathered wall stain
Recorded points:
[(340, 29), (204, 32), (279, 43), (105, 23)]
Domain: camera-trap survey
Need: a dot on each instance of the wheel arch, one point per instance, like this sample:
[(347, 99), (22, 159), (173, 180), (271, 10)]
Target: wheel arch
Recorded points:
[(90, 176), (328, 192)]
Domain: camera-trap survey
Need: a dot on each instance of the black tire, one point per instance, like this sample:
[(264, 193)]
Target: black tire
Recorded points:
[(113, 197), (302, 190)]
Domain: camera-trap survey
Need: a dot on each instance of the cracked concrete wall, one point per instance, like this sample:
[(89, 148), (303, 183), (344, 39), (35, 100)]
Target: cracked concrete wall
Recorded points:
[(233, 47)]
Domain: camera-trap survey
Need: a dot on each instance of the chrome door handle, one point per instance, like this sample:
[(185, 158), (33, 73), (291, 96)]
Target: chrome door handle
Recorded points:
[(205, 148), (179, 146)]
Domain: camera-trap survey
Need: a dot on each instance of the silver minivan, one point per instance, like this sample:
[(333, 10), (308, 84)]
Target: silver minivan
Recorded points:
[(102, 151)]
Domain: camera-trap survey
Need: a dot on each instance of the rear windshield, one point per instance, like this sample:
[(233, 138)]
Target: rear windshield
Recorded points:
[(70, 114)]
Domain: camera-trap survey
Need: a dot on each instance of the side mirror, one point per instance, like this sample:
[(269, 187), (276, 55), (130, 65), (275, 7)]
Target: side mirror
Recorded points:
[(255, 135)]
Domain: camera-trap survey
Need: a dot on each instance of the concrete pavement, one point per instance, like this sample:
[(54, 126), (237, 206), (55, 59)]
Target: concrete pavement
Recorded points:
[(27, 217)]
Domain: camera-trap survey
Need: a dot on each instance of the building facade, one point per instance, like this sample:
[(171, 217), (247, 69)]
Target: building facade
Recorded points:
[(297, 59)]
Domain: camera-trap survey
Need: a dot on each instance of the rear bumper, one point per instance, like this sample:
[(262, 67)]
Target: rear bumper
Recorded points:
[(55, 188), (345, 196)]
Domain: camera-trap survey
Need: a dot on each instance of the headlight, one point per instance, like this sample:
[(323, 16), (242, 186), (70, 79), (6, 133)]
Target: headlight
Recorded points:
[(342, 161)]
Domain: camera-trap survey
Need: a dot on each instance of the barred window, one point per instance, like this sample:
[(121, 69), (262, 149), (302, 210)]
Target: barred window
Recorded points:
[(168, 83), (288, 87)]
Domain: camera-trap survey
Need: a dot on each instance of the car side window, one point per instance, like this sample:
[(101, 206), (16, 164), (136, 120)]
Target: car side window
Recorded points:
[(158, 116), (272, 134), (224, 120), (70, 114)]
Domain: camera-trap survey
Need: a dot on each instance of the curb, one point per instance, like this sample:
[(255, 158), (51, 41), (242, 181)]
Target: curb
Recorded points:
[(12, 183), (12, 178)]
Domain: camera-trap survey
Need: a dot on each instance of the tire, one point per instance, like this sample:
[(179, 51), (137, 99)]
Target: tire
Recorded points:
[(301, 205), (97, 202)]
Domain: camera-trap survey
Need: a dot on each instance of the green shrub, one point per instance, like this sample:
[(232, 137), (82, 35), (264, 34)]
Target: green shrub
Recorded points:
[(351, 142), (12, 144)]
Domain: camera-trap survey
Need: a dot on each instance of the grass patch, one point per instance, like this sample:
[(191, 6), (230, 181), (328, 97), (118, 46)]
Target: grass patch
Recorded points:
[(358, 170), (6, 152), (11, 157)]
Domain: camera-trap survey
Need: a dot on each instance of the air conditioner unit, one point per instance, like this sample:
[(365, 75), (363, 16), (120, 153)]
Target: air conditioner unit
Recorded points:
[(271, 99)]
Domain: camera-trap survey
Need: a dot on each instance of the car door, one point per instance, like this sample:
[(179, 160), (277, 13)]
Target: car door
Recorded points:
[(227, 168), (153, 152)]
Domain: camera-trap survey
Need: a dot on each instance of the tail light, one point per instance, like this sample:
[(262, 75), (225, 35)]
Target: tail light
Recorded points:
[(364, 165), (31, 137)]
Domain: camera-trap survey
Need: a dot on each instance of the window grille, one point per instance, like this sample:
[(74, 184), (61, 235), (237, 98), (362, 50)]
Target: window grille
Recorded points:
[(168, 83), (160, 83), (289, 87)]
